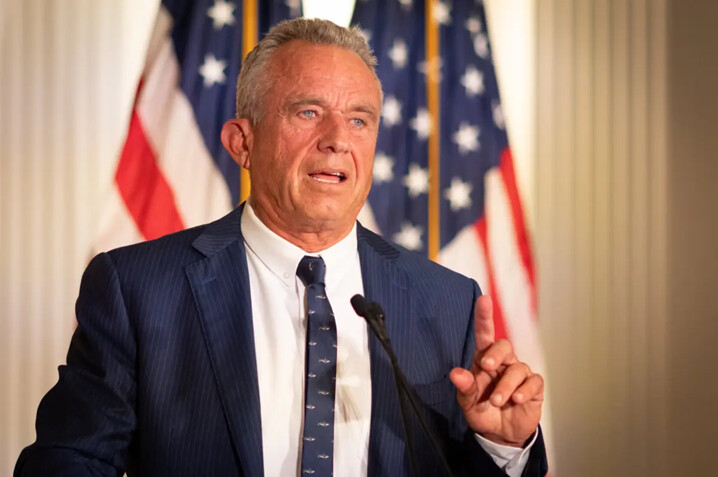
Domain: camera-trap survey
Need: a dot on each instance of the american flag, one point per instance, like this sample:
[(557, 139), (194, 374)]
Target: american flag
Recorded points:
[(173, 171)]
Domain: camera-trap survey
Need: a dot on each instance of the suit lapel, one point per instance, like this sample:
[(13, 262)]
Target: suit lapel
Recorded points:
[(388, 285), (220, 285)]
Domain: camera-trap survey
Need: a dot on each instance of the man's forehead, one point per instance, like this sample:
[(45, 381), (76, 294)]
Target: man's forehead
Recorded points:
[(303, 55), (302, 69)]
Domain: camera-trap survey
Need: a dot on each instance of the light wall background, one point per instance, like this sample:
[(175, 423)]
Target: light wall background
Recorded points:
[(68, 71), (611, 113), (601, 230)]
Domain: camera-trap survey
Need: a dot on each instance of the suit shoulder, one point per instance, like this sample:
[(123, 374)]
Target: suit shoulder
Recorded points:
[(174, 251), (177, 245)]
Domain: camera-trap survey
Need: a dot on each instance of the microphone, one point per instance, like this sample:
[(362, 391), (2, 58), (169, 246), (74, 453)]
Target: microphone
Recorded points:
[(373, 313), (361, 305), (374, 316)]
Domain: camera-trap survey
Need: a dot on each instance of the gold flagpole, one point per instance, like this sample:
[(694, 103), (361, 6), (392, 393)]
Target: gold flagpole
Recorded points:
[(249, 39), (432, 94)]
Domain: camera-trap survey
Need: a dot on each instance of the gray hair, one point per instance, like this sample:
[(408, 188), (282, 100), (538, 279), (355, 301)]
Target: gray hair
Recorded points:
[(253, 83)]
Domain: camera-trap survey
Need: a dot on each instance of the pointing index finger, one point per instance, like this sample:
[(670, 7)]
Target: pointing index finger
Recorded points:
[(484, 323)]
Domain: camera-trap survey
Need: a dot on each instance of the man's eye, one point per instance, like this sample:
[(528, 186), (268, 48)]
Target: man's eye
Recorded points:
[(358, 122), (309, 113)]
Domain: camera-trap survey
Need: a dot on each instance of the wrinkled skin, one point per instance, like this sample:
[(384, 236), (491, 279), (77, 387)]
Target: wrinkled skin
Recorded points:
[(310, 158)]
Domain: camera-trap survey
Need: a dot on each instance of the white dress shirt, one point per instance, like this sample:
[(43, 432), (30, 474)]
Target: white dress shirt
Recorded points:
[(279, 323)]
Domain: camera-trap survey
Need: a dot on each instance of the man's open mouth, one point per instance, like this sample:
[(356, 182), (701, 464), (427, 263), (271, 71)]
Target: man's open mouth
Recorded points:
[(328, 177)]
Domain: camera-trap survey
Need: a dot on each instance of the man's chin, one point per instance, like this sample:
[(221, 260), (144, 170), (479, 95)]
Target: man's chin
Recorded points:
[(324, 216)]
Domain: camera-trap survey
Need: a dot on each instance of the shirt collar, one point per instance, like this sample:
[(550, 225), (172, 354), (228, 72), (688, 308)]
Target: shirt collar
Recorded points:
[(282, 257)]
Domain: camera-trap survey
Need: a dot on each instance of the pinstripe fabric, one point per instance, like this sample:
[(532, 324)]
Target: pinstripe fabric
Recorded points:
[(161, 376)]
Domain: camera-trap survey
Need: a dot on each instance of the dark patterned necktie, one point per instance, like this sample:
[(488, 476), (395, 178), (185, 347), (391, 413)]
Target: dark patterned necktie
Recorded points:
[(320, 372)]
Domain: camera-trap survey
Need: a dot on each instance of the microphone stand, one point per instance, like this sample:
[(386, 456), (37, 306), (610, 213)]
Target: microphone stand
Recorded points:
[(374, 316), (381, 334)]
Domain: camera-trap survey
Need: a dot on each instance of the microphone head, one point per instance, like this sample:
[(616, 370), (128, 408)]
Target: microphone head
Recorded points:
[(360, 305), (376, 309)]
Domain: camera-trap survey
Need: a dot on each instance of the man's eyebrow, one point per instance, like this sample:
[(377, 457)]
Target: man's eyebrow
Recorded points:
[(366, 109), (295, 103)]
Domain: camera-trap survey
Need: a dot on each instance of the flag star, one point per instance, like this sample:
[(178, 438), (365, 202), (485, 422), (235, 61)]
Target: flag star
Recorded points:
[(417, 181), (398, 54), (458, 194), (467, 138), (432, 68), (406, 4), (221, 13), (481, 45), (498, 114), (212, 70), (473, 24), (421, 123), (473, 81), (391, 111), (409, 236), (383, 168), (442, 13)]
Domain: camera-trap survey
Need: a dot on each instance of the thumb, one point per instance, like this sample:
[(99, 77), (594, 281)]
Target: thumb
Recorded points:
[(466, 387)]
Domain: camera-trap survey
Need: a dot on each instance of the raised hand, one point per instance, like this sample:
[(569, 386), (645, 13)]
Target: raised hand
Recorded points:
[(500, 396)]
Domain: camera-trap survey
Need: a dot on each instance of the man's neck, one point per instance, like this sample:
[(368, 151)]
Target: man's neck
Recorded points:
[(311, 238)]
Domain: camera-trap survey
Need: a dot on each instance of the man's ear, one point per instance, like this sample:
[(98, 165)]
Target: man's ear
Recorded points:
[(237, 138)]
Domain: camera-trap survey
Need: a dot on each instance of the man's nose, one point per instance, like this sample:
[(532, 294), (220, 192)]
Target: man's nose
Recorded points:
[(335, 135)]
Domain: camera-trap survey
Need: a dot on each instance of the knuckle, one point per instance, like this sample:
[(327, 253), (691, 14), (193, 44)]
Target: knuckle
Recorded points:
[(534, 384), (515, 375), (504, 343), (504, 387), (515, 371)]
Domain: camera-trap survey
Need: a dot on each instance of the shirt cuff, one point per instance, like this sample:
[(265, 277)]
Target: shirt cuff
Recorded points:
[(511, 460)]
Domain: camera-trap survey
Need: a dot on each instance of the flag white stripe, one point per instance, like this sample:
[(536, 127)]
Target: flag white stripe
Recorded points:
[(511, 278), (509, 273), (116, 226), (465, 255)]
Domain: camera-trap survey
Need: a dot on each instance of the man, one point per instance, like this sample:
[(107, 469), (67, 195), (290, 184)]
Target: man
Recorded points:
[(232, 348)]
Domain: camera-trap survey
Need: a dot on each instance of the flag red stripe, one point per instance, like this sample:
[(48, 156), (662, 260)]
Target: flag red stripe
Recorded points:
[(143, 188), (508, 174), (499, 323)]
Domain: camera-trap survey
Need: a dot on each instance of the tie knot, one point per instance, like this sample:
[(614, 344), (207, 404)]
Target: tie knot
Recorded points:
[(311, 270)]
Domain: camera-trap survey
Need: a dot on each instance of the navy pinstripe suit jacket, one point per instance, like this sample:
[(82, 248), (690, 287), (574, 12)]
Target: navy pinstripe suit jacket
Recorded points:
[(161, 376)]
